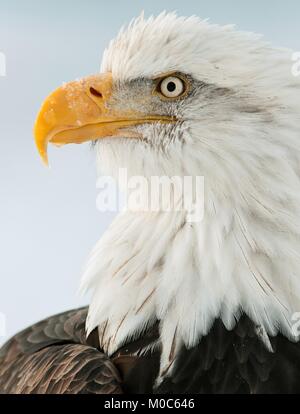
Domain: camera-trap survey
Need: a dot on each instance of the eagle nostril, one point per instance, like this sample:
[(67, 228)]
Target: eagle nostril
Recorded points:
[(94, 92)]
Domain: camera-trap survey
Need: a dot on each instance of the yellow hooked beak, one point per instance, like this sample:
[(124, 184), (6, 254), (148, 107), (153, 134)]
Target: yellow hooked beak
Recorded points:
[(81, 111)]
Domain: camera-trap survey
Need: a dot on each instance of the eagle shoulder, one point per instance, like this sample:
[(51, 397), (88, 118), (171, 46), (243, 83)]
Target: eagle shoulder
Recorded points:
[(55, 357)]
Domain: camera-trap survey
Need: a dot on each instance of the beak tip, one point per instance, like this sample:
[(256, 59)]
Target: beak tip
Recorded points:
[(44, 156), (46, 163), (41, 145)]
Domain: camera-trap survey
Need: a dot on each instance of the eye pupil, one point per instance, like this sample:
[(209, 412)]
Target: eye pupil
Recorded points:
[(171, 86)]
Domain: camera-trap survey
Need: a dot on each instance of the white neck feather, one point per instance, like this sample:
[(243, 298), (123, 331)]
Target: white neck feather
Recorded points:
[(153, 266)]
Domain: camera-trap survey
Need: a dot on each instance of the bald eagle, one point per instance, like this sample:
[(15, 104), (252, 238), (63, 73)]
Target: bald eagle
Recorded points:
[(207, 306)]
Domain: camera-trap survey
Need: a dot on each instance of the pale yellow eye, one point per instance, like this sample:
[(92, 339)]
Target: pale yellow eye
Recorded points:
[(172, 87)]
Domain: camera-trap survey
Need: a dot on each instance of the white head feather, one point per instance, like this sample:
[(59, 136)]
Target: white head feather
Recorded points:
[(244, 256)]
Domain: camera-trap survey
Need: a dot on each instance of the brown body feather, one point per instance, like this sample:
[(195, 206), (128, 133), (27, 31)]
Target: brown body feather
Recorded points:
[(54, 356)]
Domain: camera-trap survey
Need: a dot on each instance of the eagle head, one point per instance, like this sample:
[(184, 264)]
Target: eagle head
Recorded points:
[(182, 97)]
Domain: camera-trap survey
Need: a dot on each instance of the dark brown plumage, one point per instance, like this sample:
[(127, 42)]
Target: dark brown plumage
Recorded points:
[(54, 356)]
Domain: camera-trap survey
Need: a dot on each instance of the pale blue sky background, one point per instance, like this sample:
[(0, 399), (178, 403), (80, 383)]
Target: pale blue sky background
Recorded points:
[(48, 218)]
